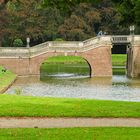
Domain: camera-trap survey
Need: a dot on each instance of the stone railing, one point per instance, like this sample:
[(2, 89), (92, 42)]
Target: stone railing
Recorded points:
[(13, 52), (66, 46), (120, 39), (135, 39)]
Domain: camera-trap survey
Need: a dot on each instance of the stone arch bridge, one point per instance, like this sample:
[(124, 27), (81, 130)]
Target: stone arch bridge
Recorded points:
[(96, 51)]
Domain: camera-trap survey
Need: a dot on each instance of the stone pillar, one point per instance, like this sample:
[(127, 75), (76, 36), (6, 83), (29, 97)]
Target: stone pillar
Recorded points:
[(129, 61), (136, 62)]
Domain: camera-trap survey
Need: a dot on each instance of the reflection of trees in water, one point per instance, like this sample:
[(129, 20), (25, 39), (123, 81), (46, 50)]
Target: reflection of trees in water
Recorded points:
[(65, 70)]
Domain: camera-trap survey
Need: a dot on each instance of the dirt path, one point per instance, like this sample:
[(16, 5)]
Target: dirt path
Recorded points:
[(67, 122)]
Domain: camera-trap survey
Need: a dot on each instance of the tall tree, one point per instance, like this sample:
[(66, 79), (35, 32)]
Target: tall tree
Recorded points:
[(3, 20), (137, 12), (74, 28), (26, 19)]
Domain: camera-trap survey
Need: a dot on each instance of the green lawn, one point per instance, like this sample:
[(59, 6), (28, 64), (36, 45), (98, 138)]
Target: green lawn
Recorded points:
[(6, 78), (119, 59), (71, 134), (16, 105), (65, 59)]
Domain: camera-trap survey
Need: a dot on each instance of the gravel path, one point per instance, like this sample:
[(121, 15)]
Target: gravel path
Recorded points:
[(29, 122)]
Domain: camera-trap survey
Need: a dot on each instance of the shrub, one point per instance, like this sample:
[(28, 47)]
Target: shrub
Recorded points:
[(59, 39), (18, 42)]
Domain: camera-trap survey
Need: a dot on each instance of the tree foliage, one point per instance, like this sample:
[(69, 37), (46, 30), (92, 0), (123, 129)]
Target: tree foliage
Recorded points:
[(3, 21), (43, 20)]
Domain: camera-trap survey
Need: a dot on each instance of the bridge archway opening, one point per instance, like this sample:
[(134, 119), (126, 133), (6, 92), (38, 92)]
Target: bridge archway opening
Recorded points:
[(119, 59), (65, 67), (119, 49)]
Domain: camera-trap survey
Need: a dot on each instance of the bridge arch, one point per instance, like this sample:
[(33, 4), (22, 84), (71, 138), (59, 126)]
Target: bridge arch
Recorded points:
[(99, 60), (88, 69)]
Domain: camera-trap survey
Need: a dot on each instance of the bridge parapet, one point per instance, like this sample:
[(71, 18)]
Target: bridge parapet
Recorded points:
[(63, 44), (97, 40), (67, 46), (54, 46), (13, 52), (119, 39)]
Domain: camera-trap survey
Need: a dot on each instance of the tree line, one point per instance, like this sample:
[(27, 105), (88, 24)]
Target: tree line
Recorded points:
[(44, 20)]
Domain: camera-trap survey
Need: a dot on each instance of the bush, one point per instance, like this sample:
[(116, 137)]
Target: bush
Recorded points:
[(59, 39), (18, 43)]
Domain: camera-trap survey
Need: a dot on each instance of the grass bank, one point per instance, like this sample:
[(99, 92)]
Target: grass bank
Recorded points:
[(72, 134), (65, 59), (119, 59), (14, 105), (6, 78)]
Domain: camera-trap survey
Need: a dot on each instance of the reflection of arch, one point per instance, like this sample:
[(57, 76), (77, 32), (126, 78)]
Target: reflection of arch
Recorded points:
[(87, 62)]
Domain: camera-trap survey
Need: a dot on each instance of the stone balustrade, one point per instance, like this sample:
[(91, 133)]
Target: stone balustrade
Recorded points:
[(67, 46)]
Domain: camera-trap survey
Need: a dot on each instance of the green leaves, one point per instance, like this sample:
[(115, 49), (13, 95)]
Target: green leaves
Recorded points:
[(137, 12)]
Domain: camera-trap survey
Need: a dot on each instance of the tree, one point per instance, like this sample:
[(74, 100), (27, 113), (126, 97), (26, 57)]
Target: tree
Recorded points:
[(137, 12), (74, 28), (66, 6), (53, 19), (3, 21), (26, 19)]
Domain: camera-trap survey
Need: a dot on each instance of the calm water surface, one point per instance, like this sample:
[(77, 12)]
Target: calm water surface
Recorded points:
[(73, 86), (72, 81)]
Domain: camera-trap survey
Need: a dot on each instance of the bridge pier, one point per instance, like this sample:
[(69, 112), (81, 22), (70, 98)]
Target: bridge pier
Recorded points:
[(100, 61), (133, 69)]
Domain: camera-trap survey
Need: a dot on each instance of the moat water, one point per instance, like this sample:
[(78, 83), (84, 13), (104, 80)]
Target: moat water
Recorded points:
[(74, 82)]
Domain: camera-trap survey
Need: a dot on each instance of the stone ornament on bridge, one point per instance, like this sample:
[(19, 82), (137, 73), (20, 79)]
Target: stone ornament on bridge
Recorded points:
[(28, 42), (132, 29)]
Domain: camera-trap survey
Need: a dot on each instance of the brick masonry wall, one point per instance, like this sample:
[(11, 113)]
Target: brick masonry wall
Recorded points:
[(98, 58)]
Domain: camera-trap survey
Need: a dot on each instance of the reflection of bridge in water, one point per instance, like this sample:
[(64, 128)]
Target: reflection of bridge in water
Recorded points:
[(96, 51)]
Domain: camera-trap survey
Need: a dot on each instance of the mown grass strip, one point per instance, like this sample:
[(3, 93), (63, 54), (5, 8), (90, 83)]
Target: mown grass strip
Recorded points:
[(119, 59), (65, 59), (20, 106), (71, 134)]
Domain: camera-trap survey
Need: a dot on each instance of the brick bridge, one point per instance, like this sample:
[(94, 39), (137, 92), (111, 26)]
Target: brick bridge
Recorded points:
[(96, 51)]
